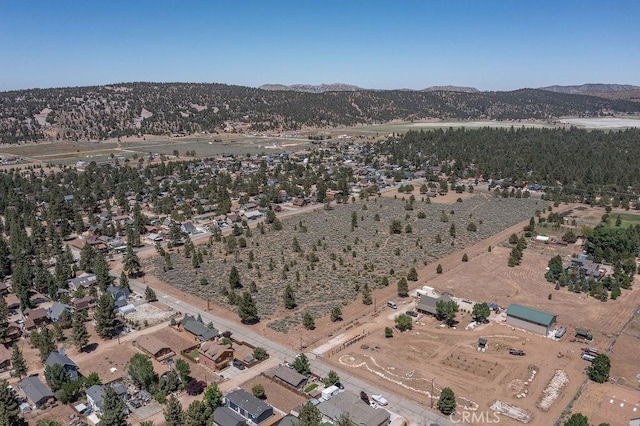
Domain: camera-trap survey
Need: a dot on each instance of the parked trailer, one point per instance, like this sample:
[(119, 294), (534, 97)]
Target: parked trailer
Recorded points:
[(588, 357)]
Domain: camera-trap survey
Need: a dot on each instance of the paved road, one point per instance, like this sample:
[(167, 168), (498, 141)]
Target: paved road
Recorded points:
[(415, 413)]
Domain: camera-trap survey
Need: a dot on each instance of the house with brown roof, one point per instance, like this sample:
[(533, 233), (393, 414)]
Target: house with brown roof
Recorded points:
[(36, 318), (288, 376), (215, 355), (12, 301), (5, 358), (154, 347)]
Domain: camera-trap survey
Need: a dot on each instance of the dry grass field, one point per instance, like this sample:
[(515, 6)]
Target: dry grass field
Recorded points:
[(608, 403), (335, 262)]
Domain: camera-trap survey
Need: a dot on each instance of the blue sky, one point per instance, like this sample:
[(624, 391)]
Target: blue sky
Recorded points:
[(491, 45)]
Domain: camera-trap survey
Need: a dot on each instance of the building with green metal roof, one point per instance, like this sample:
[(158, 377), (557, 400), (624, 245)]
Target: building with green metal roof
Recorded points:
[(530, 319)]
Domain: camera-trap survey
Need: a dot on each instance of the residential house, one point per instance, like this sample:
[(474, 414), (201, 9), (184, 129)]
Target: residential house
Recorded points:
[(199, 330), (119, 294), (224, 416), (154, 347), (587, 268), (84, 303), (289, 377), (427, 304), (84, 281), (189, 228), (56, 310), (36, 392), (95, 395), (359, 411), (215, 354), (60, 358), (13, 332), (12, 301), (4, 288), (5, 358), (35, 318), (248, 406)]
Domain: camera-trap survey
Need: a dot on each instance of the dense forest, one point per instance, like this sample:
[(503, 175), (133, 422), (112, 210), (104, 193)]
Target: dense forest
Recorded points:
[(586, 163), (100, 112)]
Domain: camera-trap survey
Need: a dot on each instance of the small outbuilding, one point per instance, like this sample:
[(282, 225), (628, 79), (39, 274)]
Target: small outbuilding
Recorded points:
[(530, 319)]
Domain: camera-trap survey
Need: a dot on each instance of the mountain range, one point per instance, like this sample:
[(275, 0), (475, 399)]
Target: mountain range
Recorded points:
[(126, 109)]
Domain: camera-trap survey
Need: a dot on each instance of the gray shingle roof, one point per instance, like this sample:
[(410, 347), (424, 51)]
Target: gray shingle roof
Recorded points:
[(224, 416), (248, 402), (35, 390), (58, 358), (359, 411)]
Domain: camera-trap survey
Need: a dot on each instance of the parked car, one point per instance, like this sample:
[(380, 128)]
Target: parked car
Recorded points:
[(340, 385), (379, 399), (392, 305), (239, 365), (517, 352), (412, 314)]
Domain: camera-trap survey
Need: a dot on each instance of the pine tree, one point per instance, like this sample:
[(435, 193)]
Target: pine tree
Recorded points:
[(18, 365), (104, 316), (403, 287), (336, 314), (289, 297), (366, 295), (149, 294), (308, 321), (124, 281), (234, 278), (79, 335), (197, 414), (309, 415), (212, 397), (447, 401), (173, 413), (131, 262), (113, 411), (247, 310), (9, 410), (46, 343), (4, 318)]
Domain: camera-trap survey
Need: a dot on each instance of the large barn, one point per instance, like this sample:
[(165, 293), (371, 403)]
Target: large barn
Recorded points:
[(530, 319)]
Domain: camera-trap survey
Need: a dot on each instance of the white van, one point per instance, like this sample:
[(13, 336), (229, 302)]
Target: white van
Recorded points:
[(392, 305)]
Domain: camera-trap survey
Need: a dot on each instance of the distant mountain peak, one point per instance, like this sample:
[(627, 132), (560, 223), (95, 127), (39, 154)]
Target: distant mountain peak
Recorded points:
[(312, 88), (591, 88), (451, 89)]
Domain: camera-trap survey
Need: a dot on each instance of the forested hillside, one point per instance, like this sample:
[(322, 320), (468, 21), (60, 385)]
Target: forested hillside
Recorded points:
[(100, 112), (588, 161)]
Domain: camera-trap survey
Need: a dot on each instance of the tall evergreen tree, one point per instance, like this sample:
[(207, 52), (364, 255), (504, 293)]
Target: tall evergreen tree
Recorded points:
[(104, 316), (173, 413), (9, 409), (247, 310), (131, 262), (289, 297), (46, 343), (18, 365), (80, 335), (197, 415), (113, 411)]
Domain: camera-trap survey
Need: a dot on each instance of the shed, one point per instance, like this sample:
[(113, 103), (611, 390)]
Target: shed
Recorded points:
[(482, 342), (581, 332), (530, 319)]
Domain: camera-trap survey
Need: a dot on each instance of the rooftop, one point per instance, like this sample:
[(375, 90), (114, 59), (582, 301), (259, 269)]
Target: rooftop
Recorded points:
[(530, 314)]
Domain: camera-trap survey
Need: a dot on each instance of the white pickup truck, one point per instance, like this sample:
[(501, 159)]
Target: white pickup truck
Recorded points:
[(379, 399)]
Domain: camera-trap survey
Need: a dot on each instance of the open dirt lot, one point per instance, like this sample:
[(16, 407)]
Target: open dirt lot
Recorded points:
[(433, 357), (277, 395), (608, 403), (115, 356)]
